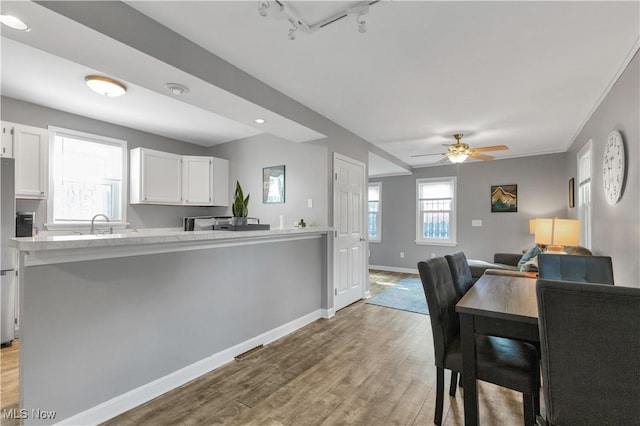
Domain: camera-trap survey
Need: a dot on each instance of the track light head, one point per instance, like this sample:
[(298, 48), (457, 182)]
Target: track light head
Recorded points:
[(263, 6), (362, 24)]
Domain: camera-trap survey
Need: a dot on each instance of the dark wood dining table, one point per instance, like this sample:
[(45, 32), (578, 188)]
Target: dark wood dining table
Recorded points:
[(496, 305)]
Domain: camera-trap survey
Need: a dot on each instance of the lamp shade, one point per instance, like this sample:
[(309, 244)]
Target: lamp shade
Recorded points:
[(532, 226), (566, 232), (557, 232), (544, 231)]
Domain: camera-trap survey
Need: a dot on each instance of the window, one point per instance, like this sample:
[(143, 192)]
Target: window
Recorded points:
[(436, 211), (375, 214), (584, 194), (88, 177)]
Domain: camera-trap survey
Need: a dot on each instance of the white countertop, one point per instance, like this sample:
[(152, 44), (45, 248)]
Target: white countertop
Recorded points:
[(151, 237)]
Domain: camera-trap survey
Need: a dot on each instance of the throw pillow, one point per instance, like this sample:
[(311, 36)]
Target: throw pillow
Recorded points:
[(530, 254), (530, 265)]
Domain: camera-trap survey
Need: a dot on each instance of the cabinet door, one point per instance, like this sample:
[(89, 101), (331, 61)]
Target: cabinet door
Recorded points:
[(161, 177), (6, 148), (197, 180), (30, 151), (220, 182)]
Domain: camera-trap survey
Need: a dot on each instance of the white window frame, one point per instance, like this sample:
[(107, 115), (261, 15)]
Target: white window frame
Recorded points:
[(86, 224), (378, 237), (451, 241), (585, 193)]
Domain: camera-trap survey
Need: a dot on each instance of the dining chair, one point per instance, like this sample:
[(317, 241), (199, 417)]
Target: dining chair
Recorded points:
[(504, 362), (580, 268), (460, 271), (590, 337)]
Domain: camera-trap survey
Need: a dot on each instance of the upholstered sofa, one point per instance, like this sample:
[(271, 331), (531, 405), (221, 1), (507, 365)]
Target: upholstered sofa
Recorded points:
[(507, 263)]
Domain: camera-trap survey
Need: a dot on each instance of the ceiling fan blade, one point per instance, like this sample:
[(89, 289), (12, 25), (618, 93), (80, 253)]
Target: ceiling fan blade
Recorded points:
[(491, 148), (480, 156), (426, 155)]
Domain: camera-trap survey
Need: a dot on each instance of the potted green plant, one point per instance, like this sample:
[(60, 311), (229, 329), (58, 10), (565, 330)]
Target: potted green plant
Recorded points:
[(240, 207)]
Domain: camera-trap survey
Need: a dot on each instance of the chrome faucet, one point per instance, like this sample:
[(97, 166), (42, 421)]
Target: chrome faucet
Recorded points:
[(94, 219)]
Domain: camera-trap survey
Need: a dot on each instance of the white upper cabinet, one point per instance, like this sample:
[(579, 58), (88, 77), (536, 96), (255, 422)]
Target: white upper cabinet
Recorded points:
[(220, 182), (156, 177), (163, 178), (6, 148), (197, 180), (30, 147)]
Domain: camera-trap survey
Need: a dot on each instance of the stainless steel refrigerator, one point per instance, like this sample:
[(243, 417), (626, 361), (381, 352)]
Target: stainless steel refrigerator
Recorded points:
[(7, 254)]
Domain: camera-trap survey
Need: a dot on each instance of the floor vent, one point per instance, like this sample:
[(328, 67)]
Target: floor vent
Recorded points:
[(248, 353)]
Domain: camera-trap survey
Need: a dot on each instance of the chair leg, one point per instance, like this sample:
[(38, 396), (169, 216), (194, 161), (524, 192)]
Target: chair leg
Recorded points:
[(439, 395), (528, 410), (454, 383)]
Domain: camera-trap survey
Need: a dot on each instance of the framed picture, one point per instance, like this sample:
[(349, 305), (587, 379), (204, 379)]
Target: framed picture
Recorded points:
[(504, 198), (572, 200), (273, 185)]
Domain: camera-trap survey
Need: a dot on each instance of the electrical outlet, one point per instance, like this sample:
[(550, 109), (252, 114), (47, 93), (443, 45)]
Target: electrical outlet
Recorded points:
[(401, 255), (310, 203)]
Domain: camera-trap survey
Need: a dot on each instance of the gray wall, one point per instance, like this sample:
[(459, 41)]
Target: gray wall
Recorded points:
[(109, 326), (541, 193), (17, 111), (616, 229), (306, 174)]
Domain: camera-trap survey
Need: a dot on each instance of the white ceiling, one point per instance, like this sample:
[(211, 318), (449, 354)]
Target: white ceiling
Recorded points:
[(522, 74)]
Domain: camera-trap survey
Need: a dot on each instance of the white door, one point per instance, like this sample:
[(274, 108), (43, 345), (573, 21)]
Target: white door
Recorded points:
[(348, 220)]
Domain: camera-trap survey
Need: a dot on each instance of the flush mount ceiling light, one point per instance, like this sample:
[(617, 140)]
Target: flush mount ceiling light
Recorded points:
[(284, 10), (176, 89), (259, 121), (105, 85), (13, 22)]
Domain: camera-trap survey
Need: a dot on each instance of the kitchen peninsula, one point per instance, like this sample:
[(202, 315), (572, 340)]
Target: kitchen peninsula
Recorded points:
[(112, 321)]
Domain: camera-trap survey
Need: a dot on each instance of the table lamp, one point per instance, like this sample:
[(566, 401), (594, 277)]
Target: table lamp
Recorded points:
[(557, 233), (532, 226)]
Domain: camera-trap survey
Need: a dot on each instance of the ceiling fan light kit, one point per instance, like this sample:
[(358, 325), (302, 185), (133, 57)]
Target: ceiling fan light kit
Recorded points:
[(459, 151)]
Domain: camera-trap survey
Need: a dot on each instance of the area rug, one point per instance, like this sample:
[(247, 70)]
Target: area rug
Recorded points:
[(407, 295)]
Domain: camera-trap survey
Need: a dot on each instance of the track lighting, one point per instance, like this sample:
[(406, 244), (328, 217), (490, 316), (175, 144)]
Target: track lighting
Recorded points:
[(284, 10)]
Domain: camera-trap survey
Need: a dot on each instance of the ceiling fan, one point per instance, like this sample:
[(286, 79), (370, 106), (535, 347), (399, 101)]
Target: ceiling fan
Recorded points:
[(458, 151)]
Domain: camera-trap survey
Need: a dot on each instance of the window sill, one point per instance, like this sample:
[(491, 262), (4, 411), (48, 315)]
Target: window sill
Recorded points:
[(437, 243)]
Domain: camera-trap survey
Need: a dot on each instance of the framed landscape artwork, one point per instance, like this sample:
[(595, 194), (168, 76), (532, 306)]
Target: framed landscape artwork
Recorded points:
[(504, 198)]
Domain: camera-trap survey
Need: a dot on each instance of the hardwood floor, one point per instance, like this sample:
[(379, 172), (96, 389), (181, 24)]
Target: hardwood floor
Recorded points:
[(369, 365), (9, 382)]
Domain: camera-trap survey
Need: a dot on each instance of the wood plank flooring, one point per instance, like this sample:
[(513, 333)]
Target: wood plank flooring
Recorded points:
[(369, 365)]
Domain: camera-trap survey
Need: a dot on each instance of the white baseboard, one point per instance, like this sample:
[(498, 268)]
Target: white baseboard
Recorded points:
[(135, 397), (394, 269)]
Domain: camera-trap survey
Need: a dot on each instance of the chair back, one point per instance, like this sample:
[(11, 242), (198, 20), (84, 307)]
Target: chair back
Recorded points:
[(585, 269), (442, 297), (460, 272), (589, 335)]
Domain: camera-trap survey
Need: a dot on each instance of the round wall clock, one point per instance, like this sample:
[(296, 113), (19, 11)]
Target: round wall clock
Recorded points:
[(613, 167)]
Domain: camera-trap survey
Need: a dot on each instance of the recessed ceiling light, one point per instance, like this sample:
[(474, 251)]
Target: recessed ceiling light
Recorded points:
[(13, 22), (105, 85), (260, 121), (176, 89)]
